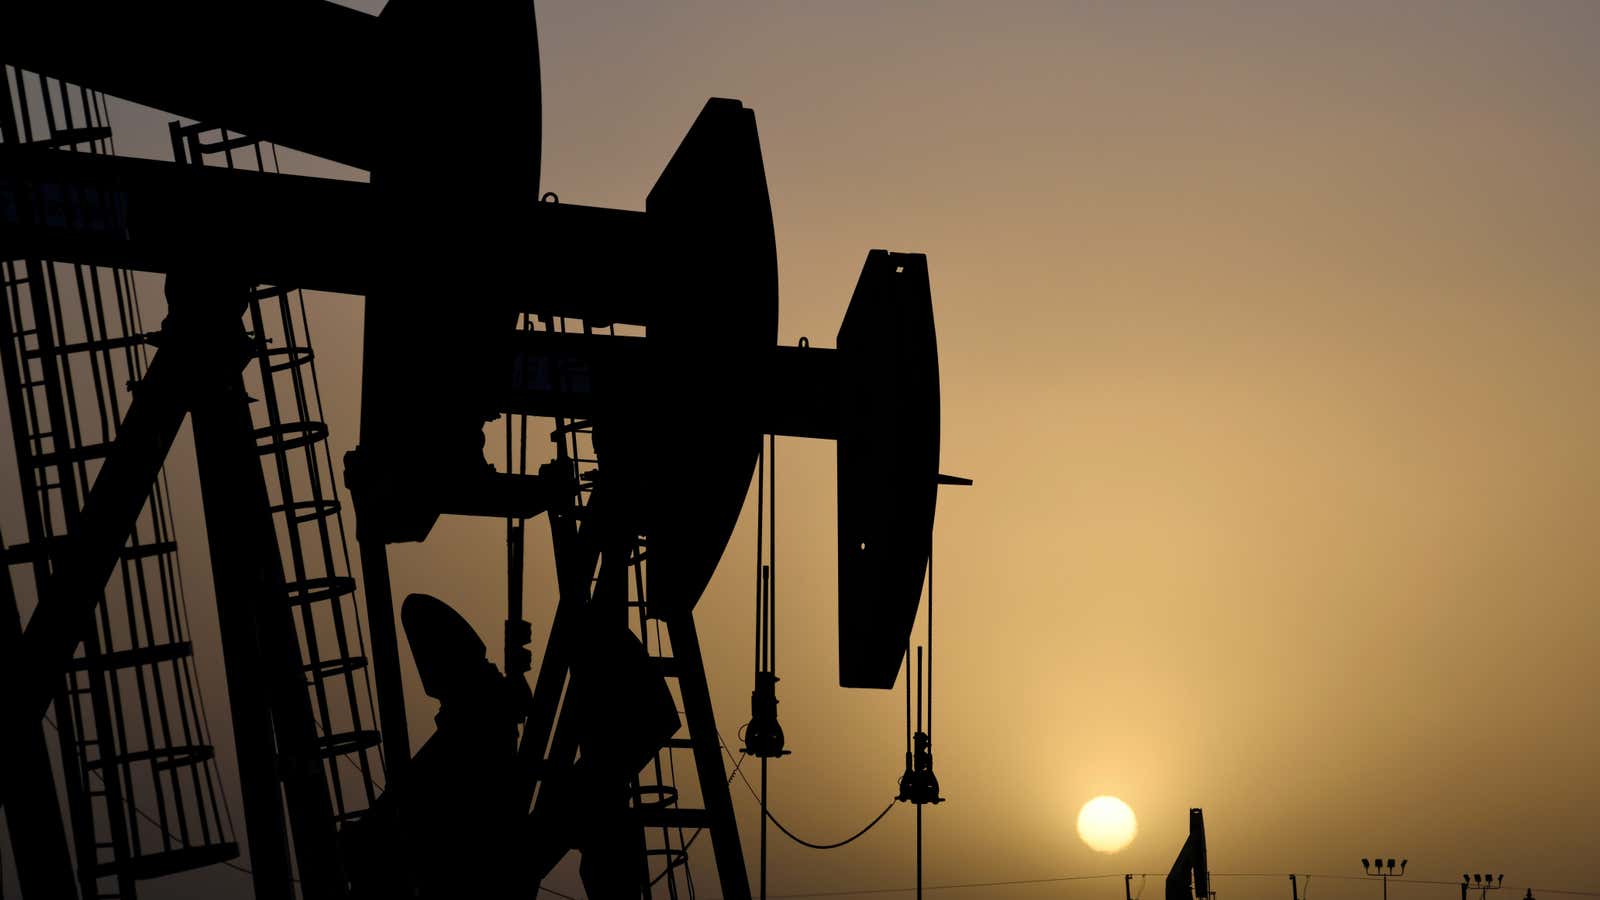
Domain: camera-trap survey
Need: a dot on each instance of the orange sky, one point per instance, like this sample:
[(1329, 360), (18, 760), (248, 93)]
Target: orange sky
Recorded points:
[(1268, 335)]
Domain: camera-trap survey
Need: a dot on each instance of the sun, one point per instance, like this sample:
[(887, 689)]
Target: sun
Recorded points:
[(1107, 824)]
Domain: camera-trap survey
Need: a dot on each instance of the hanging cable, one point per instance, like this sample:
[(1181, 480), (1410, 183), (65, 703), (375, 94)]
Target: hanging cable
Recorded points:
[(768, 816), (805, 843), (141, 813)]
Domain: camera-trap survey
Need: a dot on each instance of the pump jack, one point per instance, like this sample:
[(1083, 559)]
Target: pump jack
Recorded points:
[(1189, 869), (696, 269)]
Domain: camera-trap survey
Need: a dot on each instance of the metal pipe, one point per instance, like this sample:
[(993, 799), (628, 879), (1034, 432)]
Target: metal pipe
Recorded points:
[(383, 643)]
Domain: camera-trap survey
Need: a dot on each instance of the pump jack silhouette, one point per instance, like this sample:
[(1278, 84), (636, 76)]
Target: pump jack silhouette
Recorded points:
[(471, 279), (1190, 878)]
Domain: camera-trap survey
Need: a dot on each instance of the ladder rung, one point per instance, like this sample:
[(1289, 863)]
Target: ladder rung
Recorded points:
[(233, 143), (116, 343), (143, 551), (134, 656), (268, 291), (66, 137), (31, 551), (75, 454)]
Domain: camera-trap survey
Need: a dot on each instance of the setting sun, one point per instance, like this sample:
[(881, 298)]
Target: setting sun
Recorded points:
[(1107, 824)]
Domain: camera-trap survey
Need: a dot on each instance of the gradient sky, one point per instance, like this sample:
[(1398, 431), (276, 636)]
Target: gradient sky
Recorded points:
[(1268, 333)]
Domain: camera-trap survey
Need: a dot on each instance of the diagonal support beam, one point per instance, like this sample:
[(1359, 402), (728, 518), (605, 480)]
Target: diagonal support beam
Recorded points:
[(44, 869), (273, 723), (120, 490)]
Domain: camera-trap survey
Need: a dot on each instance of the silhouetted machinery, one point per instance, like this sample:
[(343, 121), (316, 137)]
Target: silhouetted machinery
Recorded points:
[(1190, 878), (485, 301)]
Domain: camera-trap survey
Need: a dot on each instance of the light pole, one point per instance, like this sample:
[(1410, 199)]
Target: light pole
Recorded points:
[(1483, 884), (1375, 868)]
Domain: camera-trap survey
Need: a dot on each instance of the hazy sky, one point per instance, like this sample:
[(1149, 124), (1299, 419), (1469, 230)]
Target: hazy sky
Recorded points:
[(1268, 333)]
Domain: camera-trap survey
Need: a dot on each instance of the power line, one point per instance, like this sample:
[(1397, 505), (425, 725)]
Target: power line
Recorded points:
[(949, 887), (738, 771), (1068, 878), (1536, 891)]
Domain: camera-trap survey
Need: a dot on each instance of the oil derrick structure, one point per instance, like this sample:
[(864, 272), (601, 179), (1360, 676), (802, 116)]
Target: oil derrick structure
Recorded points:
[(674, 418), (616, 590), (886, 360), (297, 463), (457, 334), (142, 790)]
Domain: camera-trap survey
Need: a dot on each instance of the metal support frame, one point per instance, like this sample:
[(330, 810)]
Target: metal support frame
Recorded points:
[(133, 742), (713, 777), (292, 441), (384, 645), (99, 702), (258, 631), (577, 553), (203, 350), (90, 552), (251, 712), (38, 837), (145, 215), (153, 215)]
